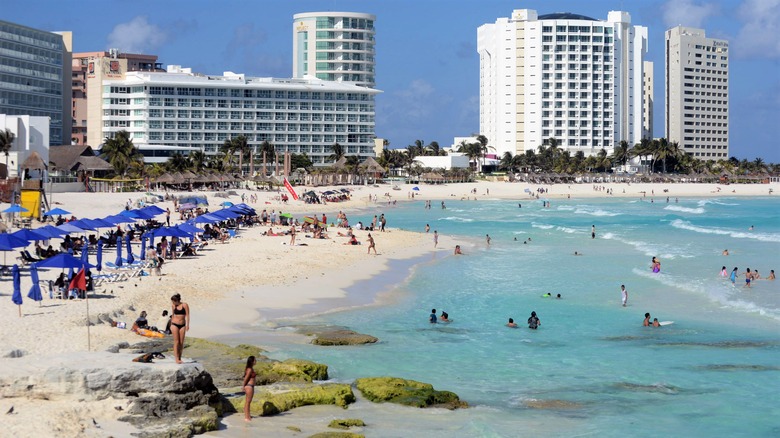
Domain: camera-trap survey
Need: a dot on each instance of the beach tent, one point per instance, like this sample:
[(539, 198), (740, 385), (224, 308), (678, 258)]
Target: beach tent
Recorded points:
[(199, 201)]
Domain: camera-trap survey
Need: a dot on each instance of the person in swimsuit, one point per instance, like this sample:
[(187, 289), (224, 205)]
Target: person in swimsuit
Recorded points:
[(180, 324), (624, 294), (511, 323), (656, 323), (533, 321), (432, 318), (771, 274), (646, 322), (656, 265), (748, 277), (249, 386), (445, 317), (457, 250), (733, 276), (371, 244), (723, 272)]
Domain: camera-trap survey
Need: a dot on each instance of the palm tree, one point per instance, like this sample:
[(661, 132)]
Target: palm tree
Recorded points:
[(227, 150), (120, 152), (434, 149), (6, 142), (667, 150), (178, 162), (472, 151), (483, 147), (622, 153), (338, 152), (241, 146), (198, 160)]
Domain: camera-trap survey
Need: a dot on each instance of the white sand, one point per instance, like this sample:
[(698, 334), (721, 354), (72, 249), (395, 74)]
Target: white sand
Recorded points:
[(228, 283)]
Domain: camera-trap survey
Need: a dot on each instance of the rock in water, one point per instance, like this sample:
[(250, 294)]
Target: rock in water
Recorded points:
[(407, 392), (342, 337)]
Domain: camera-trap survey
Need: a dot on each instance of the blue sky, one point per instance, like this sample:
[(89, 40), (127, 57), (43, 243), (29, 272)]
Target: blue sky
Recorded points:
[(427, 63)]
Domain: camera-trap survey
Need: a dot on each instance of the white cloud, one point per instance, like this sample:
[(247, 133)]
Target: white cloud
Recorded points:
[(761, 25), (687, 13), (137, 36)]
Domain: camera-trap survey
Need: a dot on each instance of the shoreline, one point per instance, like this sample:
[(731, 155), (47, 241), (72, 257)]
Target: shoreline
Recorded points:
[(257, 279)]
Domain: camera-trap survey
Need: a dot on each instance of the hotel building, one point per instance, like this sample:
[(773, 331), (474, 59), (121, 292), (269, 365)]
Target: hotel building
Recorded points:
[(82, 64), (35, 76), (648, 102), (563, 76), (181, 111), (335, 46), (697, 93)]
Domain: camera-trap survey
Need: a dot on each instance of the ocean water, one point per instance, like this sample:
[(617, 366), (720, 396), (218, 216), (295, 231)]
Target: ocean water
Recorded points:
[(591, 369)]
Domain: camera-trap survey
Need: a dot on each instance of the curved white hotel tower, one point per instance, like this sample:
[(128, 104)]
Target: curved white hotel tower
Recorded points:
[(335, 46), (562, 76)]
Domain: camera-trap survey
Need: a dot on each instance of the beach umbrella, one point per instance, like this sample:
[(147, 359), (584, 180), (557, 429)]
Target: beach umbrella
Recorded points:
[(98, 223), (63, 260), (143, 246), (9, 242), (416, 189), (118, 219), (70, 270), (207, 218), (130, 258), (56, 212), (17, 296), (50, 231), (118, 261), (35, 290), (69, 228), (99, 266), (137, 214), (170, 231), (189, 228), (153, 209), (85, 253), (15, 208), (29, 235), (83, 224), (226, 214)]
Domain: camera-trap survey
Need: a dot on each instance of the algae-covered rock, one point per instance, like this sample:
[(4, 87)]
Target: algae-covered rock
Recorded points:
[(337, 435), (407, 392), (342, 337), (294, 428), (271, 401), (346, 423)]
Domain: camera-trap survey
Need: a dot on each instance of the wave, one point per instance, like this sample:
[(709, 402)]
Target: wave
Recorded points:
[(565, 208), (456, 219), (699, 210), (595, 212), (542, 226), (567, 230), (764, 237), (650, 249), (704, 202)]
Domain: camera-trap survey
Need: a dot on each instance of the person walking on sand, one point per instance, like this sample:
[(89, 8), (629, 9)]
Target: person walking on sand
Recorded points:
[(624, 294), (435, 238), (249, 386), (371, 244), (180, 324)]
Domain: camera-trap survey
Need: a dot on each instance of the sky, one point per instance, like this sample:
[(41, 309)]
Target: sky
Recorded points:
[(427, 63)]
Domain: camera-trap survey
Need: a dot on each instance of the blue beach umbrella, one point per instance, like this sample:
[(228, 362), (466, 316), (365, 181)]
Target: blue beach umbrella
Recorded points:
[(83, 224), (9, 242), (56, 212), (416, 189), (70, 271), (207, 218), (143, 246), (130, 258), (189, 228), (99, 266), (63, 260), (29, 235), (15, 208), (17, 296), (68, 228), (153, 209), (119, 219), (35, 290), (50, 231), (85, 253), (118, 261)]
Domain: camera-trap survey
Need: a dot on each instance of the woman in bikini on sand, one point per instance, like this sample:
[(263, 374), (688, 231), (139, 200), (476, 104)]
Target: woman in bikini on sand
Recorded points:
[(249, 386), (180, 324)]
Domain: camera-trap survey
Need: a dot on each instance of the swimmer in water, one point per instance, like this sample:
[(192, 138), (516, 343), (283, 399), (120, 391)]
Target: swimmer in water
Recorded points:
[(646, 322), (748, 277), (457, 250), (445, 317), (725, 252), (771, 274), (432, 318), (733, 276), (511, 323), (656, 323), (558, 297), (723, 272), (656, 265)]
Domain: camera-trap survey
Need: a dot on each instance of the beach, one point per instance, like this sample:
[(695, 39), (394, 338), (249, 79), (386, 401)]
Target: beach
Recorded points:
[(255, 279)]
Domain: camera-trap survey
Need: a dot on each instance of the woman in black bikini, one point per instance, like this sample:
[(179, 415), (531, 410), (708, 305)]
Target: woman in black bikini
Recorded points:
[(180, 323), (249, 386)]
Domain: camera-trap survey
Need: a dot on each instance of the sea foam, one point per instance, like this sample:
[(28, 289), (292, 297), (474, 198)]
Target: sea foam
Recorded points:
[(764, 237), (699, 210)]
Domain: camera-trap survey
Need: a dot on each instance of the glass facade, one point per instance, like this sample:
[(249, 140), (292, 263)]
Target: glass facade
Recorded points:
[(31, 69)]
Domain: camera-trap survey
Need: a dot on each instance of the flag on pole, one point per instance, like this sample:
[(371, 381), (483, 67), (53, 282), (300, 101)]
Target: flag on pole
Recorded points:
[(79, 281), (289, 188)]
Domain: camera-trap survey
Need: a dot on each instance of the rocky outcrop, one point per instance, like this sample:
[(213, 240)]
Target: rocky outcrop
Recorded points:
[(407, 392), (274, 399), (342, 337), (166, 398), (334, 335), (346, 423), (226, 364), (337, 435)]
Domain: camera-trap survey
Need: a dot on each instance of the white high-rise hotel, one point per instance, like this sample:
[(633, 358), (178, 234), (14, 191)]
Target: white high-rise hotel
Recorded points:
[(562, 76), (697, 93)]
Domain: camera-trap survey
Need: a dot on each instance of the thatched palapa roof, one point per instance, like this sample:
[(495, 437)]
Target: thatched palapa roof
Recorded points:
[(76, 157)]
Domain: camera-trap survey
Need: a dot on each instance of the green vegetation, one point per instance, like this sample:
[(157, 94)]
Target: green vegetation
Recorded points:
[(407, 392)]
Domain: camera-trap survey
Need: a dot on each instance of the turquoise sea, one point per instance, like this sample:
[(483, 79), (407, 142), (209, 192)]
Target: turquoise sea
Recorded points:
[(591, 369)]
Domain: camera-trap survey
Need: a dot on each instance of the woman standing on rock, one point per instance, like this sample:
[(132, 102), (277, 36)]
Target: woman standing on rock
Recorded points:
[(249, 386), (180, 323)]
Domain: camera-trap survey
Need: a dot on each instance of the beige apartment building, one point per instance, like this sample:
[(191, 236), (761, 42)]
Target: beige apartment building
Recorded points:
[(697, 93), (648, 103), (85, 66)]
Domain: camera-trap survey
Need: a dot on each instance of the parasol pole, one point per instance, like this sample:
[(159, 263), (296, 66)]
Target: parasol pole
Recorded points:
[(89, 344)]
